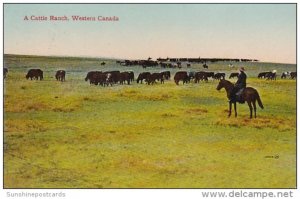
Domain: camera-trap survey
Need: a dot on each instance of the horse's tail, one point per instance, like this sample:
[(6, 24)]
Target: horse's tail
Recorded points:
[(259, 101)]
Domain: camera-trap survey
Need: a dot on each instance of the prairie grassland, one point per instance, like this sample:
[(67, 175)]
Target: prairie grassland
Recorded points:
[(73, 135)]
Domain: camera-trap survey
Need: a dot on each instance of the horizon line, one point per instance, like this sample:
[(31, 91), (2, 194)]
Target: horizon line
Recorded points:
[(118, 58)]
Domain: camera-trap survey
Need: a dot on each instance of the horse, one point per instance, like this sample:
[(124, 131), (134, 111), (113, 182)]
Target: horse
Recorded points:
[(249, 94)]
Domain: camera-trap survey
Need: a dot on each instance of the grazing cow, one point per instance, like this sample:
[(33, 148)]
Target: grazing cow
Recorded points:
[(210, 74), (103, 63), (262, 75), (285, 75), (201, 76), (103, 79), (5, 71), (115, 76), (124, 76), (205, 65), (188, 65), (131, 75), (60, 75), (293, 75), (89, 76), (155, 76), (34, 74), (166, 74), (232, 75), (219, 76), (271, 75), (142, 76), (181, 76)]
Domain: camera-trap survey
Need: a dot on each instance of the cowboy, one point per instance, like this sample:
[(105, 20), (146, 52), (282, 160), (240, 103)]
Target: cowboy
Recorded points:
[(239, 85)]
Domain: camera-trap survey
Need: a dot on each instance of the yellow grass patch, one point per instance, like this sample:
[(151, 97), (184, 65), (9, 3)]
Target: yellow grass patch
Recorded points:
[(281, 124), (24, 125)]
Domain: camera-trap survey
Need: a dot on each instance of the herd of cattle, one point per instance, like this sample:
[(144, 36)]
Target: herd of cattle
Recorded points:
[(113, 77)]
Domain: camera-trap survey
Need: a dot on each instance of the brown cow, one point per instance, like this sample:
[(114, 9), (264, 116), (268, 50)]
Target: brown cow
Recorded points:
[(60, 75), (181, 76), (35, 74)]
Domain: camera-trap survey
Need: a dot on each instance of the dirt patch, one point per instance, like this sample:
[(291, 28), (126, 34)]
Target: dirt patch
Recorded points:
[(196, 111), (37, 107), (160, 97), (166, 115), (60, 109)]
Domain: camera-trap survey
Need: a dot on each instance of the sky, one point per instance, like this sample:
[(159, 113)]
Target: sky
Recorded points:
[(266, 32)]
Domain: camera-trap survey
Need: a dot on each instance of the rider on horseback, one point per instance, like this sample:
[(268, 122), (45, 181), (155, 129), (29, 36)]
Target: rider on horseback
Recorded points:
[(239, 86)]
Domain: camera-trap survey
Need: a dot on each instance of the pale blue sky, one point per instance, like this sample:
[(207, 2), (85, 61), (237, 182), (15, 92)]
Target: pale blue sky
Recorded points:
[(262, 31)]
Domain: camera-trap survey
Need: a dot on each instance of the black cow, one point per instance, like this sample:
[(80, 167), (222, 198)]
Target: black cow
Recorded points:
[(293, 75), (219, 76), (35, 74), (124, 76), (232, 75), (142, 76), (60, 75), (201, 76), (89, 76), (151, 79), (262, 75), (166, 74), (210, 74), (115, 76), (271, 76), (131, 75), (103, 79)]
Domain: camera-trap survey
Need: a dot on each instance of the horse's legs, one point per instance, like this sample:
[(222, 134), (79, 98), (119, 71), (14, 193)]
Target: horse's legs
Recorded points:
[(250, 107), (235, 113), (230, 105), (254, 106)]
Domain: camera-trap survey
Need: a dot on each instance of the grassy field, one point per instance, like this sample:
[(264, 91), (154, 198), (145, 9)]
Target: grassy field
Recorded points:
[(73, 135)]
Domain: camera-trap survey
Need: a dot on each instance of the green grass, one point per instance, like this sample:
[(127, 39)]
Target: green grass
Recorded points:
[(73, 135)]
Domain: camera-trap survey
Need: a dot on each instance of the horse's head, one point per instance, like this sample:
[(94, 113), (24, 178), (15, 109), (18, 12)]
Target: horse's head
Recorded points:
[(225, 84), (221, 84)]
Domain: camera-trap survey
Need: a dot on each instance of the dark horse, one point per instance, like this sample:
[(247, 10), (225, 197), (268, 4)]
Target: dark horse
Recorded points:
[(249, 94)]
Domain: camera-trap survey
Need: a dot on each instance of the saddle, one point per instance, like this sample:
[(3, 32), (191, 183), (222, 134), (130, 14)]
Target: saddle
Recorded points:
[(239, 97)]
